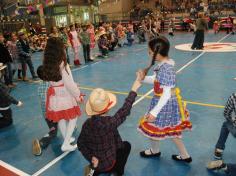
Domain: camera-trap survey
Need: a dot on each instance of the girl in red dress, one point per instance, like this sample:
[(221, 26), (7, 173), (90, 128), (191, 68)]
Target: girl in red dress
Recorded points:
[(63, 94)]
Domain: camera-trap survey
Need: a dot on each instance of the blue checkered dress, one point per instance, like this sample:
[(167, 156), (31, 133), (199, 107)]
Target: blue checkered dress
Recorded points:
[(42, 93), (169, 116)]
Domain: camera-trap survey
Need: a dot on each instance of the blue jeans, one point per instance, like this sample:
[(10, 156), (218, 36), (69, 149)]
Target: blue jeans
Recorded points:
[(231, 169), (226, 128), (27, 61), (8, 75)]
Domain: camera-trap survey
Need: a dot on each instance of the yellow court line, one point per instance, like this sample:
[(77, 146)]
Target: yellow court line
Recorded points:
[(149, 97)]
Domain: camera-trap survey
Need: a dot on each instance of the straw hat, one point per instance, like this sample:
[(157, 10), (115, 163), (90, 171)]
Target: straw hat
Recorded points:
[(100, 101), (2, 66)]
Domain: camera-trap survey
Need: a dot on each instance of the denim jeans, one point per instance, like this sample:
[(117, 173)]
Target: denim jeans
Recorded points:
[(231, 169), (27, 61), (226, 128), (8, 75)]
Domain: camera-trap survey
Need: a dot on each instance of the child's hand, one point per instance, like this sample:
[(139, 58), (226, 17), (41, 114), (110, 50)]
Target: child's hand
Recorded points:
[(19, 104), (81, 98), (95, 162), (141, 74), (137, 83), (150, 118)]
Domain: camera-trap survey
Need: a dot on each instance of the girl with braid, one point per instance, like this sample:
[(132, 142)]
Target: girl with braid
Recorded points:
[(167, 116)]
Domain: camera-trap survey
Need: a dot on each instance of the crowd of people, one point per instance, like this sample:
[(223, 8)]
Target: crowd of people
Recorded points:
[(60, 96)]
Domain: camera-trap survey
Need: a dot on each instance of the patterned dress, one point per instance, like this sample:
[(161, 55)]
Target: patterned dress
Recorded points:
[(169, 122)]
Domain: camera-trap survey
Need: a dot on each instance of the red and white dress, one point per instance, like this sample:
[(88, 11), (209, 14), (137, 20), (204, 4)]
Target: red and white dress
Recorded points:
[(62, 97)]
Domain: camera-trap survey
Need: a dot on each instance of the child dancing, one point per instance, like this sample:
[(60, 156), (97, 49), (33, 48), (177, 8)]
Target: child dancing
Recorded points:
[(63, 95), (166, 117)]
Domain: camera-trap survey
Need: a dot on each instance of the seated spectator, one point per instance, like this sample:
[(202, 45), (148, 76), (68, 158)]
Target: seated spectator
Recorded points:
[(130, 37), (141, 35), (103, 44)]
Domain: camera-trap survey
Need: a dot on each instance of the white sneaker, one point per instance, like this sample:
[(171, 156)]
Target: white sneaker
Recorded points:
[(68, 148)]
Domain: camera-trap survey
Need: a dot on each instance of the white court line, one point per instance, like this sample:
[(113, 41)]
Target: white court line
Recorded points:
[(86, 66), (50, 164), (79, 68), (13, 169)]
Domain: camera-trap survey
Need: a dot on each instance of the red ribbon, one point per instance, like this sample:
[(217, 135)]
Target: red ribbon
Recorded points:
[(50, 92), (106, 108)]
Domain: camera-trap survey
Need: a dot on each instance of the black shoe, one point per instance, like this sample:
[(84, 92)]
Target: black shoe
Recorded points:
[(90, 60), (178, 158), (144, 155)]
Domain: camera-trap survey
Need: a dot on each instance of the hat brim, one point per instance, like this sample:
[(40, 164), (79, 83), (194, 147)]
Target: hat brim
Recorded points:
[(89, 110), (2, 67)]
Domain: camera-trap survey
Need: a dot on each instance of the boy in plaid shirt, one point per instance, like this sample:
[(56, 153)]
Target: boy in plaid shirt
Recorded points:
[(99, 140), (43, 143), (229, 126)]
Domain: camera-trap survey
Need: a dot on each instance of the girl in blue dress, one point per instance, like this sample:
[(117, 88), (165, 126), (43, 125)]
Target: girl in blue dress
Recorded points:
[(167, 116)]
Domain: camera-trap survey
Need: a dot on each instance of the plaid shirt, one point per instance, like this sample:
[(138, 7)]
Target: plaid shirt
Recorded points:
[(99, 136), (230, 109), (42, 92), (85, 38)]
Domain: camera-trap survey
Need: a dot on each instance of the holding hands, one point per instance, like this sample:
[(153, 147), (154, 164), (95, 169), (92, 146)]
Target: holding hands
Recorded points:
[(138, 82)]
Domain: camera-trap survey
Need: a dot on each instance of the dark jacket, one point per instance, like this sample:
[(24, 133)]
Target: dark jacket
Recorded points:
[(5, 99), (23, 49), (5, 56), (99, 136), (201, 24)]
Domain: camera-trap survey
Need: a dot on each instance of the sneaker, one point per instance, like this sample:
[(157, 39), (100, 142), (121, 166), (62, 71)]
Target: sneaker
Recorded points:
[(179, 158), (36, 148), (68, 148), (88, 171), (216, 165), (144, 155), (218, 154)]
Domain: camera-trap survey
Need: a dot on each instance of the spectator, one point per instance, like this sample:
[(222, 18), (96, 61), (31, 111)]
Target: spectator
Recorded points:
[(103, 43), (85, 40), (6, 59), (15, 56), (25, 56), (65, 39)]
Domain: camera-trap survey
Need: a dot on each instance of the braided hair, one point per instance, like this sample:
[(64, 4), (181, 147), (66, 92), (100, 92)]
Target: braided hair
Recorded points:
[(159, 45)]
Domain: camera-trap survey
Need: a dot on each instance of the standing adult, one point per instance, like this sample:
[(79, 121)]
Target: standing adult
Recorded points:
[(201, 25), (6, 59)]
